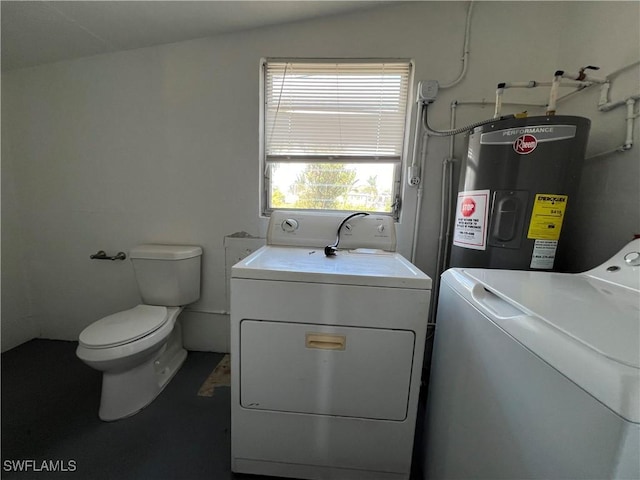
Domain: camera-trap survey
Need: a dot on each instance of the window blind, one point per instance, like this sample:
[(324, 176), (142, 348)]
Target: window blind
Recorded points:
[(329, 111)]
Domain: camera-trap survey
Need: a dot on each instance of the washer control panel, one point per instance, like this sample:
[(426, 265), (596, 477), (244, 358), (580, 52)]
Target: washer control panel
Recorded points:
[(319, 229), (623, 268), (290, 225)]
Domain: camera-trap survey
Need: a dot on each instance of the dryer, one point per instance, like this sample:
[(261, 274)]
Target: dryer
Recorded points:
[(326, 351), (537, 374)]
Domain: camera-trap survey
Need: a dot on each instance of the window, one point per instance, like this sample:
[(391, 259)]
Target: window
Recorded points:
[(334, 134)]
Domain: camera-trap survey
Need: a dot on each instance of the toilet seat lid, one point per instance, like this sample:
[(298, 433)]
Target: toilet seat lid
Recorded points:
[(124, 327)]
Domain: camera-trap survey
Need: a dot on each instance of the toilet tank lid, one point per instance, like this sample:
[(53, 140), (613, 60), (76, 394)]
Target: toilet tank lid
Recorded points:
[(165, 252)]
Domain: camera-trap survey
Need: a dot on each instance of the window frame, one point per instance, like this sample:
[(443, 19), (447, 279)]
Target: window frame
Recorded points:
[(398, 167)]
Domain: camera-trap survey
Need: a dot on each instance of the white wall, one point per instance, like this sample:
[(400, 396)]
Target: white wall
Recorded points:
[(606, 34), (161, 145), (18, 323)]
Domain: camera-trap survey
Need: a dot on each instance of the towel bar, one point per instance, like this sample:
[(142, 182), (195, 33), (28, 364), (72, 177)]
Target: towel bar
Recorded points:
[(102, 255)]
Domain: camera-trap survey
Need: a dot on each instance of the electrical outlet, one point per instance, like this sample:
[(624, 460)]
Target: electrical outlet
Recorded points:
[(413, 175)]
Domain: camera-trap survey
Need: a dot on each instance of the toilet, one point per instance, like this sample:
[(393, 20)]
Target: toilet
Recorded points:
[(139, 350)]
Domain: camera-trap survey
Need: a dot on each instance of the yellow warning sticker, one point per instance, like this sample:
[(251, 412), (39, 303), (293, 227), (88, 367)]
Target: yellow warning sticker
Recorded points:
[(547, 215)]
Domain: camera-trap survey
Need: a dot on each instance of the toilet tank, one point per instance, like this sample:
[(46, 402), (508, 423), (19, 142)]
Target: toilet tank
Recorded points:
[(167, 275)]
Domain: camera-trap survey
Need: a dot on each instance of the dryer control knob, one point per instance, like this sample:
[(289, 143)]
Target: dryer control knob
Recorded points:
[(632, 259), (380, 228), (290, 225)]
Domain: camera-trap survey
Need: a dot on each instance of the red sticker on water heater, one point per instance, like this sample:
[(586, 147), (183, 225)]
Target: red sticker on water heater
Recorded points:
[(525, 144), (468, 207)]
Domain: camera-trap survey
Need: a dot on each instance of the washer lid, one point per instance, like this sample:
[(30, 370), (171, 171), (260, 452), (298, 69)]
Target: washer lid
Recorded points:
[(363, 267), (124, 327), (585, 328), (599, 315)]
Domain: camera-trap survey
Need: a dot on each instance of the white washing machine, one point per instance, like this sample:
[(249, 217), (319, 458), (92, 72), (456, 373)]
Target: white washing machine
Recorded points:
[(326, 351), (537, 375)]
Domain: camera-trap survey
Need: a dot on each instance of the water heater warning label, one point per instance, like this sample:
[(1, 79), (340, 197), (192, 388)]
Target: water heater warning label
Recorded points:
[(547, 216), (544, 254), (471, 220)]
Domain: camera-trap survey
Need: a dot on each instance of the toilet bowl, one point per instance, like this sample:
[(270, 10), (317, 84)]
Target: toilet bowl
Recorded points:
[(140, 349), (137, 362)]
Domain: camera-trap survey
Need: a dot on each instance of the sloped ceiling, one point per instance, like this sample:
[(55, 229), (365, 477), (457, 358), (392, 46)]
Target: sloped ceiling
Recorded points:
[(38, 32)]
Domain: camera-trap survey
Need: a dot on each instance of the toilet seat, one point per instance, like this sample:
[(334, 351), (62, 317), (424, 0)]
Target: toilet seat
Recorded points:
[(124, 327)]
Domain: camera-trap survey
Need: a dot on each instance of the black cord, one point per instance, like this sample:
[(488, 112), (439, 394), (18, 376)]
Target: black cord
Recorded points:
[(330, 250)]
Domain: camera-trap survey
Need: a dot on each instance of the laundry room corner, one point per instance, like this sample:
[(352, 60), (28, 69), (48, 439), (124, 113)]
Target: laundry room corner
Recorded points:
[(209, 331)]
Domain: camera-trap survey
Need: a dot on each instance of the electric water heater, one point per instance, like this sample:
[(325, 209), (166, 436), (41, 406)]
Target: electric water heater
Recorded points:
[(518, 186)]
